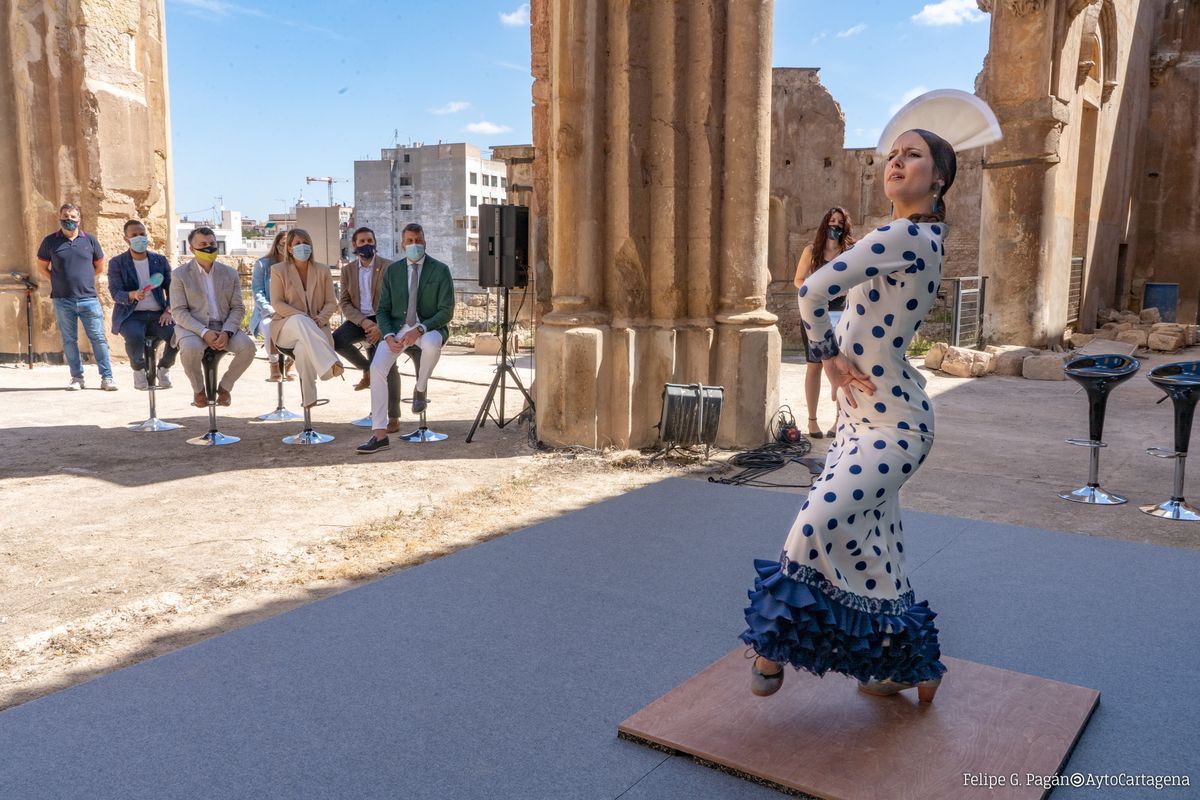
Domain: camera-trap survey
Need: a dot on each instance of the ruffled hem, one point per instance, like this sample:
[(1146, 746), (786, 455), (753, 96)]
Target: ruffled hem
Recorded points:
[(793, 622)]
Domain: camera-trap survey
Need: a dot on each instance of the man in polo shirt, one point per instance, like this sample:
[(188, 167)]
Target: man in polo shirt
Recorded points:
[(71, 259)]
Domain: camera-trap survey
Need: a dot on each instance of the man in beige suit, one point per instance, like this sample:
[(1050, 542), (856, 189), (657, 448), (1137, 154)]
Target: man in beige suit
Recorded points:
[(207, 305), (362, 279)]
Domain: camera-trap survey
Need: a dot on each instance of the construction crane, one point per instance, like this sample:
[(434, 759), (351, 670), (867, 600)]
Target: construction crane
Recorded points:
[(328, 182)]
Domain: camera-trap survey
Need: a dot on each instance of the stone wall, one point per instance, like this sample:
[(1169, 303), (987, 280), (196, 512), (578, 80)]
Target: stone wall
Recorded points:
[(1169, 183), (83, 119)]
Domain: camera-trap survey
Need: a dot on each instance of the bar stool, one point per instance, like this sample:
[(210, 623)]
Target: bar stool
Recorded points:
[(1098, 375), (364, 422), (308, 435), (214, 437), (422, 433), (154, 424), (1180, 381), (281, 413)]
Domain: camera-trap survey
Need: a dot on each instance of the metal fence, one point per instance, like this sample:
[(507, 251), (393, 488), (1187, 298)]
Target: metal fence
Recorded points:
[(956, 316)]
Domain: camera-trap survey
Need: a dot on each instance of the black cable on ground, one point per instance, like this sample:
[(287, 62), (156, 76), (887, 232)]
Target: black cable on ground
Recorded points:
[(788, 446)]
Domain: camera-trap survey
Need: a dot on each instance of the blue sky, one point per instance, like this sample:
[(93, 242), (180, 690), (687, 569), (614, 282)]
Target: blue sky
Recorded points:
[(265, 93)]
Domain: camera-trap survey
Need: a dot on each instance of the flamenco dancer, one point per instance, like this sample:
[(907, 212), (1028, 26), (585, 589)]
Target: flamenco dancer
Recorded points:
[(839, 597)]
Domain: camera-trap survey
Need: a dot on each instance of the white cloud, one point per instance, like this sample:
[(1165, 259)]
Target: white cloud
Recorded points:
[(515, 19), (818, 37), (949, 12), (515, 67), (486, 128), (911, 94), (857, 29), (453, 107), (221, 8)]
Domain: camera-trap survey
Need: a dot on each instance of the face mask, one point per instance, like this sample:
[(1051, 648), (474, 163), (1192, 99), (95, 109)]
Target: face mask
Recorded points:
[(367, 251), (139, 244), (414, 252), (205, 255), (302, 252), (835, 232), (68, 225)]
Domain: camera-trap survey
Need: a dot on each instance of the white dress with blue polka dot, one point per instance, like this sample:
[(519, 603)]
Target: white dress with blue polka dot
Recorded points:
[(839, 597)]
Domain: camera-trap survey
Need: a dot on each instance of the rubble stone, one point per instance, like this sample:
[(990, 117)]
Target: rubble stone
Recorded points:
[(1043, 367), (1165, 342), (1150, 315), (964, 363), (1008, 359), (933, 358), (1136, 337)]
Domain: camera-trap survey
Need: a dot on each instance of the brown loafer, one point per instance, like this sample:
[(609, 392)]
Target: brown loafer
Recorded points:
[(363, 383), (393, 425), (223, 398), (200, 400), (276, 374)]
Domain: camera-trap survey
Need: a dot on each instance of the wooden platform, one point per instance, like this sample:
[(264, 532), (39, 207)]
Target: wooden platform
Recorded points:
[(823, 738)]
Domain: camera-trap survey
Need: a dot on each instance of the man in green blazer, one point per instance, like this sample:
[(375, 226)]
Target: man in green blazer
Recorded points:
[(416, 303)]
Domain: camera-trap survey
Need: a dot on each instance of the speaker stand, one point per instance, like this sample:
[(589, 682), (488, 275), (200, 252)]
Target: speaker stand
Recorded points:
[(503, 372)]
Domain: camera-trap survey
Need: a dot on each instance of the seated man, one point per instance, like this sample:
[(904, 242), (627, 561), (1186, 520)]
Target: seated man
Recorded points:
[(362, 280), (139, 314), (416, 303), (206, 302)]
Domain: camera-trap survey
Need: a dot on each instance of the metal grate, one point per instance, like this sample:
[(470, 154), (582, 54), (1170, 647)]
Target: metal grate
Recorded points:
[(1074, 290), (956, 316)]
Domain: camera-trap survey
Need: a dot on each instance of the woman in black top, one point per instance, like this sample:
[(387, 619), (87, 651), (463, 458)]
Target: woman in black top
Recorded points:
[(833, 238)]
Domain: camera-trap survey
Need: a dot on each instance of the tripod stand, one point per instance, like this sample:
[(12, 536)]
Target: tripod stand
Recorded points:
[(505, 369), (30, 286)]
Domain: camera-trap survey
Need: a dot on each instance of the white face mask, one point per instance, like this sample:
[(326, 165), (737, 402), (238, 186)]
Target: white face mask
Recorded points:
[(139, 244), (302, 252)]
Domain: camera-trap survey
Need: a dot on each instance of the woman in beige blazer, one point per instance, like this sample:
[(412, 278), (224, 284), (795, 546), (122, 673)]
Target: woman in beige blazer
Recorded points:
[(303, 297)]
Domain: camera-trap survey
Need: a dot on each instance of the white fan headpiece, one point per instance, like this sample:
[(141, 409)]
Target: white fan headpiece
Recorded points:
[(962, 119)]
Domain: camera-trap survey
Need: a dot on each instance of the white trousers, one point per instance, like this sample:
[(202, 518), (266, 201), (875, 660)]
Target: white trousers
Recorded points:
[(314, 352), (431, 351)]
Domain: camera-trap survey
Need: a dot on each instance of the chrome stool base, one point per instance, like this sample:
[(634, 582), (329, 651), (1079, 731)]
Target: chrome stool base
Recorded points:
[(423, 434), (213, 438), (308, 437), (154, 425), (1173, 509), (1093, 495), (279, 415), (361, 422)]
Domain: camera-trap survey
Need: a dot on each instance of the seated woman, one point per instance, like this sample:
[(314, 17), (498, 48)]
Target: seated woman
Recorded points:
[(260, 316), (303, 298)]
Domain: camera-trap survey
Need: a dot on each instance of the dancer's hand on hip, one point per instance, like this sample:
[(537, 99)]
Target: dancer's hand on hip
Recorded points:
[(844, 375)]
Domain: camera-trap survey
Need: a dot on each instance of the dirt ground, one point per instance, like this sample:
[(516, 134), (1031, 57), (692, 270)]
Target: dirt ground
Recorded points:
[(118, 546)]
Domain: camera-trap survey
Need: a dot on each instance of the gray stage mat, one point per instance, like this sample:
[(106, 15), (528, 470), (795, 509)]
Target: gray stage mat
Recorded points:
[(502, 671)]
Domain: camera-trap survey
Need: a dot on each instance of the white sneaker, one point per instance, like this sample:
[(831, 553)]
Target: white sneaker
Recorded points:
[(139, 380), (75, 385), (164, 378), (108, 384)]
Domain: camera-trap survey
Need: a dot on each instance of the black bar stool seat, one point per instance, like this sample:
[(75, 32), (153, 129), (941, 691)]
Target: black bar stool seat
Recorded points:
[(422, 434), (308, 435), (1179, 381), (153, 424), (208, 363), (1098, 375)]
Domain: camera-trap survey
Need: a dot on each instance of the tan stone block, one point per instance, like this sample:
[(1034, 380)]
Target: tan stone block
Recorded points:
[(933, 358), (1165, 342), (1123, 326), (1191, 335), (1009, 358), (1078, 340), (1150, 315), (1129, 316), (1043, 367), (488, 344), (964, 363), (1168, 327), (1106, 333), (1136, 337)]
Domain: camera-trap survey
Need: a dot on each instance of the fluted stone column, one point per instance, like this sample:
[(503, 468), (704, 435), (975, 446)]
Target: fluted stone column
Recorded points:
[(83, 118), (655, 148)]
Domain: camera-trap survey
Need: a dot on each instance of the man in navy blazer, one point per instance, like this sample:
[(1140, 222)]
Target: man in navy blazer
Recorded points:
[(140, 310)]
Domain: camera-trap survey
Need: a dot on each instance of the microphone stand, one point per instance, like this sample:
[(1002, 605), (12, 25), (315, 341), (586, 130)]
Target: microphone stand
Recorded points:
[(30, 286)]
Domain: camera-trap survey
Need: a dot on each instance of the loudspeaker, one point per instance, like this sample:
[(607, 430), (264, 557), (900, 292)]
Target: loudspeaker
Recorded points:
[(503, 246)]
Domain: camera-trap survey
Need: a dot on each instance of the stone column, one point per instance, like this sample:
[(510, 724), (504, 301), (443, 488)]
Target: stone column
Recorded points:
[(657, 253), (83, 118), (1017, 224)]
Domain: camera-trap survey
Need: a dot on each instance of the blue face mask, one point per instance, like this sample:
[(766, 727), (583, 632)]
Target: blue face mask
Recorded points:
[(139, 244), (302, 252), (68, 225), (414, 252), (835, 232)]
